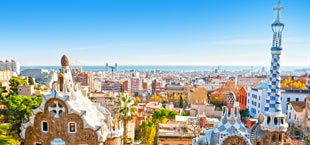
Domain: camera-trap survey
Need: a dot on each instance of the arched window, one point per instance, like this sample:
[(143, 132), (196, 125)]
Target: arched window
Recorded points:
[(275, 120), (268, 120), (280, 137), (44, 126), (61, 82), (72, 127), (282, 121), (274, 138)]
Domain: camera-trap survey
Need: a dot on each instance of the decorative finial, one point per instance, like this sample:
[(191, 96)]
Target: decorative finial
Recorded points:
[(64, 61), (278, 8)]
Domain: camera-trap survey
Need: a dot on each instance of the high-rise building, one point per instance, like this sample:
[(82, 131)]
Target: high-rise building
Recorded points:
[(85, 79), (106, 67), (10, 65), (5, 76), (115, 67)]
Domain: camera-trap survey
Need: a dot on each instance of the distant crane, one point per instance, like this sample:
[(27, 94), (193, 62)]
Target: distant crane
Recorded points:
[(112, 68)]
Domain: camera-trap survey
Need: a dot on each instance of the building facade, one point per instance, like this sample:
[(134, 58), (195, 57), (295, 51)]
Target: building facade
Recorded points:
[(5, 76), (10, 65), (66, 117), (243, 98)]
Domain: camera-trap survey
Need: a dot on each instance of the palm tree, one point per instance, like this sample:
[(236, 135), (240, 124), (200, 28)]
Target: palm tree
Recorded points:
[(126, 112), (4, 138)]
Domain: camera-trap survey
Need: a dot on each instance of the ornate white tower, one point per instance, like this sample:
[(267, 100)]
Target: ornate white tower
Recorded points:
[(274, 121)]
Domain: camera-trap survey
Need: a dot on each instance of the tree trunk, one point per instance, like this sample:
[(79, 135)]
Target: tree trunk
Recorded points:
[(125, 132)]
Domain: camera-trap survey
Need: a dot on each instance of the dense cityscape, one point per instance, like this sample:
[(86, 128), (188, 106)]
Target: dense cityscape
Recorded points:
[(73, 105)]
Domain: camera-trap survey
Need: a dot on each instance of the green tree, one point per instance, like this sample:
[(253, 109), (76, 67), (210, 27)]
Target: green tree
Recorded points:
[(5, 139), (162, 115), (181, 102), (30, 80), (148, 127), (126, 111), (19, 109), (14, 83), (147, 134), (1, 91), (185, 114)]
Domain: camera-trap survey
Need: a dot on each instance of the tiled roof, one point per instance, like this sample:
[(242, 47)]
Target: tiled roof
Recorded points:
[(298, 106)]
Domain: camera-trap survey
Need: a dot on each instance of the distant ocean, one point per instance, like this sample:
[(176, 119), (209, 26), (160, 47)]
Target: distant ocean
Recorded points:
[(172, 68)]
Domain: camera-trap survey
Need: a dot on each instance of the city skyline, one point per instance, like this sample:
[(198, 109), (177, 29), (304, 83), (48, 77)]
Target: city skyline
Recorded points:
[(137, 32)]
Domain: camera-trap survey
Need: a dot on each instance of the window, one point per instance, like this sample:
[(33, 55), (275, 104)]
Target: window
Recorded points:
[(308, 117), (72, 127), (274, 138), (275, 121), (44, 126), (297, 99), (288, 100), (308, 106), (268, 120), (37, 143)]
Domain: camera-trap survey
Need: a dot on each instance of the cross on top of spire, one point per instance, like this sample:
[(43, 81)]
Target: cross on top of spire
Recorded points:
[(278, 8)]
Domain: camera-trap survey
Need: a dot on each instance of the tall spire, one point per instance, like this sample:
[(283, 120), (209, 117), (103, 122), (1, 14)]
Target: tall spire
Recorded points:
[(274, 119)]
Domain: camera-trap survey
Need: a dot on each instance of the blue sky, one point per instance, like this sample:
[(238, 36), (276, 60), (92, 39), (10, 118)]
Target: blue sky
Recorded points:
[(152, 32)]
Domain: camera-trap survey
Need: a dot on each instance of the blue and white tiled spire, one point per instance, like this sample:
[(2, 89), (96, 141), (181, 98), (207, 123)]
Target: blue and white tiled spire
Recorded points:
[(273, 100), (274, 119)]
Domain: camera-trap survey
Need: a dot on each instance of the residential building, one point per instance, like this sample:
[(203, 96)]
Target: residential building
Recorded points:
[(174, 134), (134, 85), (25, 90), (37, 74), (151, 107), (198, 96), (256, 99), (250, 81), (5, 76), (296, 119), (113, 86), (141, 116), (85, 79), (12, 65), (243, 95), (292, 95)]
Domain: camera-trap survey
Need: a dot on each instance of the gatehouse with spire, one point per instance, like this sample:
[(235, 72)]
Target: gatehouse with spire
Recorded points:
[(272, 124)]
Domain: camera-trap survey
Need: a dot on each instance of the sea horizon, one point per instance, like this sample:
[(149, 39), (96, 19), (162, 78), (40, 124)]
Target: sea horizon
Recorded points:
[(98, 68)]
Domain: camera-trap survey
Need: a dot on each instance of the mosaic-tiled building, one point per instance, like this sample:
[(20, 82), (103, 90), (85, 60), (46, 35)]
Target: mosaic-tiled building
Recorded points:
[(271, 125), (66, 117)]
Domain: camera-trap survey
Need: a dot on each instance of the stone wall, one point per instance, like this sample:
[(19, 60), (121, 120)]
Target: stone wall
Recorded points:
[(274, 138), (175, 141), (113, 141), (234, 140)]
